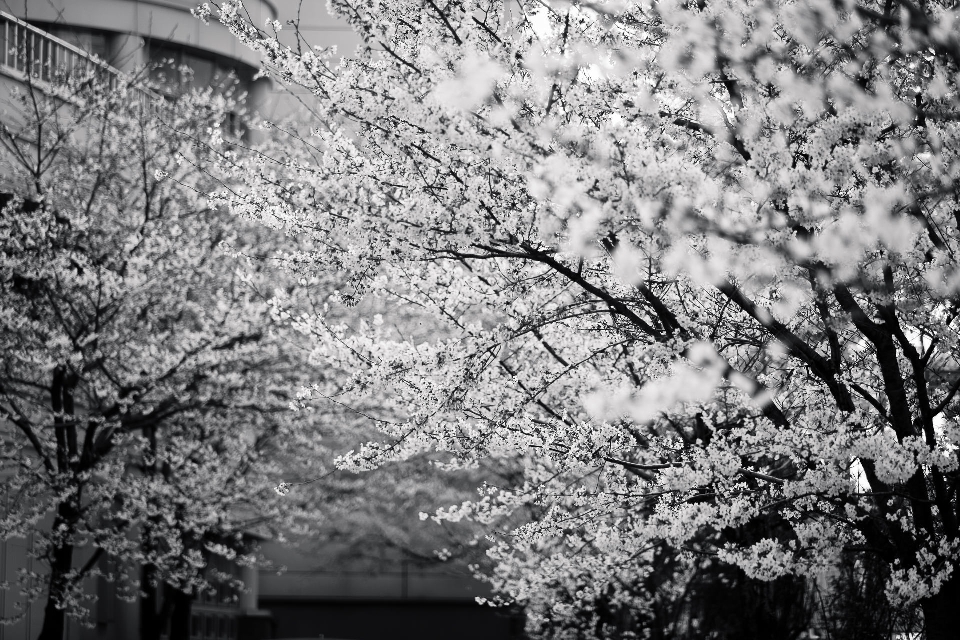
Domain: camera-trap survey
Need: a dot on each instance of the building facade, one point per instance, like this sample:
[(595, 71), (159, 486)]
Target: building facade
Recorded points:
[(130, 34)]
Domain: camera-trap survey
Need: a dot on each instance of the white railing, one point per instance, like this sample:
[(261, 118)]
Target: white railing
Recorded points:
[(32, 54)]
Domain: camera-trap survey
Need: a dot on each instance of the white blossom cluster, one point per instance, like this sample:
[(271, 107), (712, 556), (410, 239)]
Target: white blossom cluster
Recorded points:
[(686, 270)]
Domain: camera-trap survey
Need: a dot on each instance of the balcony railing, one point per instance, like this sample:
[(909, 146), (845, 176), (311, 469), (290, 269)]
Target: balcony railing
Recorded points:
[(31, 54)]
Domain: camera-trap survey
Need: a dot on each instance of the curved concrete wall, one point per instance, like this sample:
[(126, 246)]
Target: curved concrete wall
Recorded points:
[(168, 20)]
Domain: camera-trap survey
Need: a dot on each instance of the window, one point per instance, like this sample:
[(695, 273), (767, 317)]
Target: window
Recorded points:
[(164, 64), (93, 42), (176, 69), (204, 70)]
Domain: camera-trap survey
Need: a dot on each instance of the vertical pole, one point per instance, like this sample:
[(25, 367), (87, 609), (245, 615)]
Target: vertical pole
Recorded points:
[(250, 577)]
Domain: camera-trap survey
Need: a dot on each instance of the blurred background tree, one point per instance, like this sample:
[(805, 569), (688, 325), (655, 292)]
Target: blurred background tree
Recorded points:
[(144, 390)]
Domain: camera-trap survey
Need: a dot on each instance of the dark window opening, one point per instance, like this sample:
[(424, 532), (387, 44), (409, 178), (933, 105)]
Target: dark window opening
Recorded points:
[(175, 69)]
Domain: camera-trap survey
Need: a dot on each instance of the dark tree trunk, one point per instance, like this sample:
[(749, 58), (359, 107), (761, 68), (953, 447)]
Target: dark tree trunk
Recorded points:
[(154, 610), (54, 618), (148, 605), (153, 616), (61, 556), (941, 613), (180, 614)]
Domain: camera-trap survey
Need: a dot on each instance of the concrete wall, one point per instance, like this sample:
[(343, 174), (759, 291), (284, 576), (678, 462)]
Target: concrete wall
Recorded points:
[(167, 20), (131, 23), (325, 591), (335, 571), (392, 620)]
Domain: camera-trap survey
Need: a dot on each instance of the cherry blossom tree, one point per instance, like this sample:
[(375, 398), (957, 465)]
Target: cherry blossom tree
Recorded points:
[(144, 390), (688, 266)]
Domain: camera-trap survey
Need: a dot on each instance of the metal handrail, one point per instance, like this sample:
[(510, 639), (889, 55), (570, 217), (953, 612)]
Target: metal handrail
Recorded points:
[(28, 51)]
